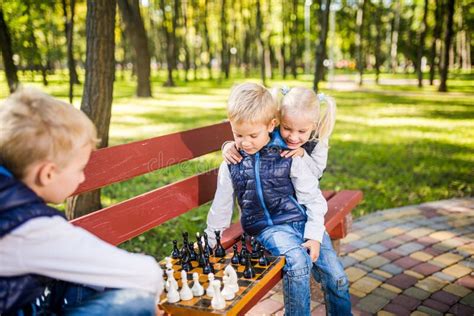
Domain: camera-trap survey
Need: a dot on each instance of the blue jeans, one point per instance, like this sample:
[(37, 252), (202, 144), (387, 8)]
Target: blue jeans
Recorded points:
[(286, 240)]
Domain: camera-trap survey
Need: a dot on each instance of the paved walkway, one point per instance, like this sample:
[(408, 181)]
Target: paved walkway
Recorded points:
[(415, 260)]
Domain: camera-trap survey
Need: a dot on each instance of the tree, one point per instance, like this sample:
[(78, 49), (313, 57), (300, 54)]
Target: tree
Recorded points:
[(421, 45), (321, 47), (436, 34), (69, 30), (261, 44), (98, 87), (394, 39), (447, 45), (359, 38), (136, 33), (170, 36), (225, 58), (7, 53)]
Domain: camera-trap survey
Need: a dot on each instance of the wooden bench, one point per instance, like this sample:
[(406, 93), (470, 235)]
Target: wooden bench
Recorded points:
[(125, 220)]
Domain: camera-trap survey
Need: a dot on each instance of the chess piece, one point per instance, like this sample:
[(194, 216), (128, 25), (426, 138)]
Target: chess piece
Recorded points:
[(170, 278), (217, 301), (173, 294), (175, 253), (233, 278), (200, 254), (219, 251), (263, 261), (207, 247), (185, 293), (227, 292), (185, 260), (249, 272), (255, 248), (235, 258), (243, 250), (169, 264), (210, 289), (197, 288), (185, 242), (208, 267)]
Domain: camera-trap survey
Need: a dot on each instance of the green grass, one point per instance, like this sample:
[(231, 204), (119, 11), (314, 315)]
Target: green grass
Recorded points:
[(400, 144)]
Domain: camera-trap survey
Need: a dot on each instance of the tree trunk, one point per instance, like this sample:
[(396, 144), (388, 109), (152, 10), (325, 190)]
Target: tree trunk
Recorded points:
[(187, 61), (294, 37), (447, 45), (224, 41), (207, 38), (436, 34), (359, 39), (69, 31), (135, 31), (261, 44), (394, 41), (321, 47), (7, 53), (98, 87), (378, 40), (170, 47), (421, 45)]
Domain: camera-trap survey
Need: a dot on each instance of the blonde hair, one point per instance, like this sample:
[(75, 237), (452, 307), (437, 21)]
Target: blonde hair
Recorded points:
[(303, 101), (252, 103), (34, 127)]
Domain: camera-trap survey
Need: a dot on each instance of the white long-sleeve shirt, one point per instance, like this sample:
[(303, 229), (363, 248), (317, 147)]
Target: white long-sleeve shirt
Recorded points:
[(53, 247), (318, 158), (307, 193)]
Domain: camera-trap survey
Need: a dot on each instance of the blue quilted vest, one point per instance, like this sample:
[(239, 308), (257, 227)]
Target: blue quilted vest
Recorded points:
[(264, 190), (18, 204)]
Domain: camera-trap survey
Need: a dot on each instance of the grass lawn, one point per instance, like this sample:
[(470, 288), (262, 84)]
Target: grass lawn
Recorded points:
[(400, 144)]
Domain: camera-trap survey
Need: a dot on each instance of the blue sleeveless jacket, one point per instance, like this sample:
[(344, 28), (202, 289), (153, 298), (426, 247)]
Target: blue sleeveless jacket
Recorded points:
[(18, 204), (263, 187)]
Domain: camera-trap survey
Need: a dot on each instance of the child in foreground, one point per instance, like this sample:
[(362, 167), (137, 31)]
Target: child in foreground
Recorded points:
[(47, 265), (281, 203)]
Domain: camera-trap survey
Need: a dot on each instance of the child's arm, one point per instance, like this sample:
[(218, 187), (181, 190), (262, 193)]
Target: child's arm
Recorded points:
[(53, 247), (220, 213), (230, 153), (318, 159)]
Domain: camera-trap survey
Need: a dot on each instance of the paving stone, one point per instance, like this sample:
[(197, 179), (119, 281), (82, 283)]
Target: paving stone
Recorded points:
[(372, 303), (394, 231), (382, 273), (420, 232), (378, 248), (417, 293), (468, 263), (419, 313), (391, 268), (469, 249), (363, 267), (360, 244), (385, 313), (415, 274), (467, 281), (402, 281), (457, 270), (406, 237), (432, 251), (438, 306), (365, 253), (354, 274), (265, 307), (391, 288), (457, 289), (356, 292), (445, 297), (397, 309), (427, 241), (447, 258), (351, 237), (428, 310), (409, 248), (431, 284), (461, 309), (442, 235), (375, 262), (366, 284), (348, 261), (426, 268), (421, 256), (406, 262), (378, 237), (354, 300), (468, 299), (444, 276), (391, 255), (443, 246), (408, 302), (380, 291), (356, 256), (377, 277), (391, 243)]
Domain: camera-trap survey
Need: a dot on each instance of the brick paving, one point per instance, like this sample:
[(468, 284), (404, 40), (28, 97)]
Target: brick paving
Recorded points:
[(415, 260)]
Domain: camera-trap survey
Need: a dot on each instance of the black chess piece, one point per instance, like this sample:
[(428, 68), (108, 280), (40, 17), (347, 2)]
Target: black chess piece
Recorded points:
[(175, 253), (185, 260), (185, 242), (200, 254), (192, 252), (235, 258), (243, 250), (207, 248), (263, 261), (208, 267), (219, 251), (249, 271), (255, 248)]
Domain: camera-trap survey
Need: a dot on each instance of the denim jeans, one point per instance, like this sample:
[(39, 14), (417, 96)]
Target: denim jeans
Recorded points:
[(286, 240)]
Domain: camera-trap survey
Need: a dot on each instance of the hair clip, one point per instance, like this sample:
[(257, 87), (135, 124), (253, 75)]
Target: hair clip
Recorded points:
[(285, 90), (321, 97)]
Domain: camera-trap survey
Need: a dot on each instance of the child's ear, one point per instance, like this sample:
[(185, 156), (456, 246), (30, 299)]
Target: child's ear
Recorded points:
[(46, 173), (271, 125)]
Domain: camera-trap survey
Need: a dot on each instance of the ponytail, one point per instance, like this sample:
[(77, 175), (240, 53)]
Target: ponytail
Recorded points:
[(326, 122)]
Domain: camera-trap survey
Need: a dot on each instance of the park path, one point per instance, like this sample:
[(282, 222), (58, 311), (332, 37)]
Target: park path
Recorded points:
[(414, 260)]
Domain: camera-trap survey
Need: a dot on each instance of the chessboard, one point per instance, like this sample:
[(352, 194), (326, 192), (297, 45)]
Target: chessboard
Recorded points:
[(247, 287)]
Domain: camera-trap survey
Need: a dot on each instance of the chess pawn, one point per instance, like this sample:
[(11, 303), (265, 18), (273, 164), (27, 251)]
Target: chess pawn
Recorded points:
[(217, 301), (171, 279), (208, 267), (175, 253), (235, 258), (210, 289), (233, 278), (185, 293), (227, 292), (249, 272), (263, 261), (207, 248), (220, 251), (243, 250), (197, 288), (173, 294), (255, 248), (169, 264)]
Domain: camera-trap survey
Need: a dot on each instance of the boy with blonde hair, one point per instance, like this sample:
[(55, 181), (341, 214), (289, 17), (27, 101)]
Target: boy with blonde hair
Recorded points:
[(47, 265), (280, 201)]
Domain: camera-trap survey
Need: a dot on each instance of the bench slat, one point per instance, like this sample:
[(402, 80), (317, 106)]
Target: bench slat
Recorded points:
[(128, 219), (123, 162)]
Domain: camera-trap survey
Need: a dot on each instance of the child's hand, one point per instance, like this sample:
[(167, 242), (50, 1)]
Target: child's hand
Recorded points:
[(230, 153), (298, 152), (314, 248)]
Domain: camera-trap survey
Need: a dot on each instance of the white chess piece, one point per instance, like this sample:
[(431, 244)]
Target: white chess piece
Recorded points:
[(217, 301), (169, 264), (197, 288), (227, 292), (185, 293), (170, 274), (210, 289), (233, 278), (173, 295)]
